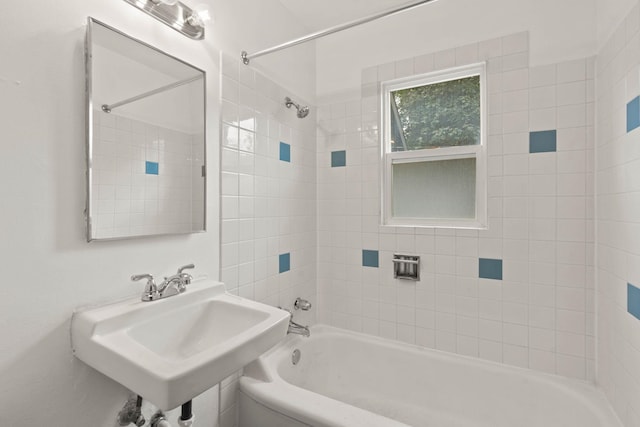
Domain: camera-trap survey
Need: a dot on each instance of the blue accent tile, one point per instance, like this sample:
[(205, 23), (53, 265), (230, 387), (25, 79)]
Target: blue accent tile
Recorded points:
[(369, 258), (633, 114), (490, 269), (285, 263), (633, 301), (285, 152), (151, 168), (542, 141), (338, 159)]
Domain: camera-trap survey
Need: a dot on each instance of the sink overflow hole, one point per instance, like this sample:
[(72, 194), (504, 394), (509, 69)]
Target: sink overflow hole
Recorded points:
[(295, 357)]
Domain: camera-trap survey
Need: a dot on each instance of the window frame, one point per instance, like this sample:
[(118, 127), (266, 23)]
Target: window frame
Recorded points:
[(477, 151)]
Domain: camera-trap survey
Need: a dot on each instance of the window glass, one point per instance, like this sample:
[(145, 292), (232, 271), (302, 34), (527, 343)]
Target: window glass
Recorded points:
[(444, 114), (435, 189)]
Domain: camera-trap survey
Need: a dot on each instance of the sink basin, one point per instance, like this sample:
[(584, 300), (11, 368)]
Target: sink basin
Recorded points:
[(171, 350)]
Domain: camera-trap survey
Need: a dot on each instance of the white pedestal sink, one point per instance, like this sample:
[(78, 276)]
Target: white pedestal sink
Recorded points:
[(170, 350)]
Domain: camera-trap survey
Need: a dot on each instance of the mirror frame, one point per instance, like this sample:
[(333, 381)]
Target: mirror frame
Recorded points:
[(89, 137)]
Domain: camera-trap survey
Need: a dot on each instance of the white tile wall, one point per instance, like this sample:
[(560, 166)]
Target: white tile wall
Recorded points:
[(540, 222), (541, 207), (127, 201), (227, 405), (268, 205), (618, 216)]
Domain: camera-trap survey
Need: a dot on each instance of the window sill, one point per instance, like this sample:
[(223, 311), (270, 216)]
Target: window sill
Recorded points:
[(432, 223)]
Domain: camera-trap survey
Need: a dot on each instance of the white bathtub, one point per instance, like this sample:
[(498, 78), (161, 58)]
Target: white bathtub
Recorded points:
[(354, 380)]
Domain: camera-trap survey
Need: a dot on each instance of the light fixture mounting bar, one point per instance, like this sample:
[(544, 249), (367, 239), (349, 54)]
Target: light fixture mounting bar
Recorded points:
[(177, 16)]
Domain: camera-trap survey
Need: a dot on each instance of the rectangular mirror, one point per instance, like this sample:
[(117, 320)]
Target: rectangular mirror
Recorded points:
[(145, 139)]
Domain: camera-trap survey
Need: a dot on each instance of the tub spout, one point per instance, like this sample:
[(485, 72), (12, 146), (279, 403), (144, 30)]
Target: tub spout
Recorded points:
[(296, 328)]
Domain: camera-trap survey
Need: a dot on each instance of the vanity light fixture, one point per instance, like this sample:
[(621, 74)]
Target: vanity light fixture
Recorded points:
[(177, 15)]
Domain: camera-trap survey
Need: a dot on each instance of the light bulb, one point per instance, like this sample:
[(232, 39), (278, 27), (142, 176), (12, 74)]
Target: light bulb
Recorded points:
[(199, 16)]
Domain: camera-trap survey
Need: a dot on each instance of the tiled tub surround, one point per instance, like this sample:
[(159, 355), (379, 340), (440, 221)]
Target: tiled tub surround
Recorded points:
[(268, 192), (618, 218), (146, 179), (538, 312)]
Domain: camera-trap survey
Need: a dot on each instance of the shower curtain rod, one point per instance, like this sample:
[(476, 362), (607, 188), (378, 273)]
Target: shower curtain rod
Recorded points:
[(107, 108), (246, 57)]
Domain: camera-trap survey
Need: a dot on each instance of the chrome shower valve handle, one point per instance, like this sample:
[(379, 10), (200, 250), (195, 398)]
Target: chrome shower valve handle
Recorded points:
[(302, 304)]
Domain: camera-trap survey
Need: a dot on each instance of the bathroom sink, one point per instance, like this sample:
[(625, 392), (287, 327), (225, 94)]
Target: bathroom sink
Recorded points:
[(170, 350)]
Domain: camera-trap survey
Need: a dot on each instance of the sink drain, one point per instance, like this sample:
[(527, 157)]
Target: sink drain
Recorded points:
[(295, 357)]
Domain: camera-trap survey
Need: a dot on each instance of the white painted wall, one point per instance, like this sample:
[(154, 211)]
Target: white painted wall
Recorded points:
[(257, 25), (49, 268), (610, 14), (559, 30)]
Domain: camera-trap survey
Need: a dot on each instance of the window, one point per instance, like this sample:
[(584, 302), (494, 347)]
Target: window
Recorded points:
[(434, 156)]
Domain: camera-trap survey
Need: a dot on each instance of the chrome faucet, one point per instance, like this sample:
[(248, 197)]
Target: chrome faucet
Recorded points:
[(170, 286), (177, 283), (296, 328)]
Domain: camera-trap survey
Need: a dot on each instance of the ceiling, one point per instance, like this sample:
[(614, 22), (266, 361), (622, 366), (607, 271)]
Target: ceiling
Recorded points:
[(318, 15)]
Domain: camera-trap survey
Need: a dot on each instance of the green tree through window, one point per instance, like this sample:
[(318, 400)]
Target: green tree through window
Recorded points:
[(441, 114)]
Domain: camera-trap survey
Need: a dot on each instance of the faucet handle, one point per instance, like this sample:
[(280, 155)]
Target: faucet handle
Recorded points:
[(186, 267), (185, 277), (302, 304), (150, 290), (149, 278)]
